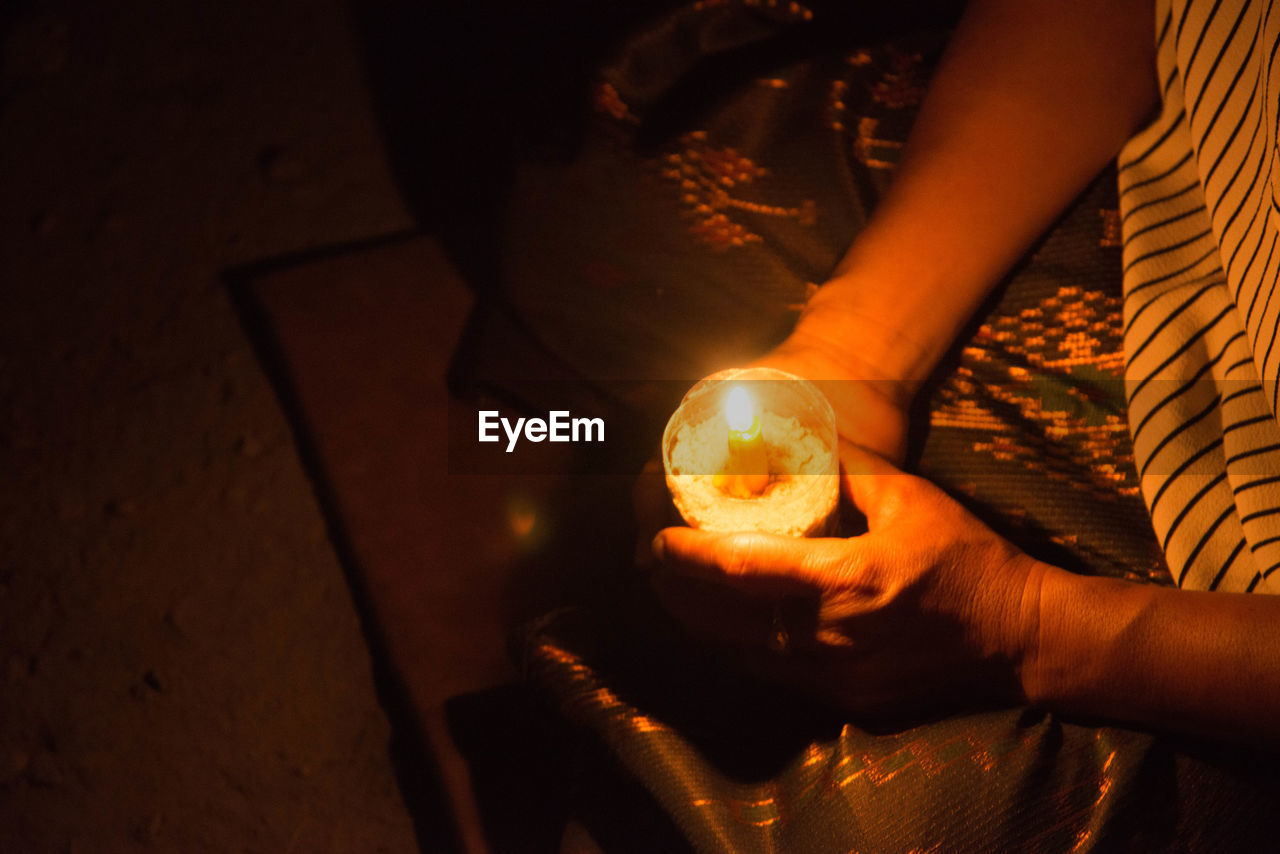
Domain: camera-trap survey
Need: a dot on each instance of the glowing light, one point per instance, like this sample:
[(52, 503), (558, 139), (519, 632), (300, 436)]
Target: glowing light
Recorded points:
[(739, 410), (746, 472), (522, 517), (522, 522)]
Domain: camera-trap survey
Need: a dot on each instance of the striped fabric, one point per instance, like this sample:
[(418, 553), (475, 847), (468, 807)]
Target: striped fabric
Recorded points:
[(1200, 223)]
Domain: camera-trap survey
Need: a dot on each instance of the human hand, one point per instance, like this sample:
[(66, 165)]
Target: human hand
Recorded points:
[(836, 350), (929, 608), (840, 352)]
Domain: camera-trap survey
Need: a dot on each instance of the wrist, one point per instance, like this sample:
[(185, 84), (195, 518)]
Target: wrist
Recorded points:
[(849, 317), (1041, 586), (1070, 628), (859, 346)]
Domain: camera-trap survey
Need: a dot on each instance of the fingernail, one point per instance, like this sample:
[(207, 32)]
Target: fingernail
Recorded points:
[(659, 546)]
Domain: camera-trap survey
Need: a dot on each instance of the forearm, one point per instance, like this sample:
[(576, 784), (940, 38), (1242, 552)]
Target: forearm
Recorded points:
[(1187, 661), (1032, 99)]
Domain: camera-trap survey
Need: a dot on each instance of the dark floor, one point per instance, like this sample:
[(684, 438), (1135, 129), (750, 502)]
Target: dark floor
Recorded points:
[(181, 662)]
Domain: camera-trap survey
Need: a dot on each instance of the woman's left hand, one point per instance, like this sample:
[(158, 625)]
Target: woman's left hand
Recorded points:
[(928, 609)]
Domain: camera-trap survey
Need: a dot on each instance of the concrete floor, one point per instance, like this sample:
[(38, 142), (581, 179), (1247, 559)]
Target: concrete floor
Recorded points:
[(181, 666)]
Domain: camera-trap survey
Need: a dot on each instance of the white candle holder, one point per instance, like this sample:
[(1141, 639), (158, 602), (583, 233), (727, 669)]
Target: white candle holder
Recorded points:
[(799, 431)]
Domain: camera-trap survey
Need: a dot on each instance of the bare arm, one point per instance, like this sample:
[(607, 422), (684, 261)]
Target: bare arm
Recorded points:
[(930, 608), (1190, 661), (1032, 99)]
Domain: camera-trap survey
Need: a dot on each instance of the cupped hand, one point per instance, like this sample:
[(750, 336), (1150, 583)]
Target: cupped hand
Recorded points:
[(829, 348), (928, 609)]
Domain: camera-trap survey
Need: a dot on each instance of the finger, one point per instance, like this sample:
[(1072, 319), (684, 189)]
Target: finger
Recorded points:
[(875, 486), (754, 560)]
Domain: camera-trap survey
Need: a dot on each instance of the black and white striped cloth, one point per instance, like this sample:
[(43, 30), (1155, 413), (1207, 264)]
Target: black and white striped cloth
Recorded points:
[(1201, 222)]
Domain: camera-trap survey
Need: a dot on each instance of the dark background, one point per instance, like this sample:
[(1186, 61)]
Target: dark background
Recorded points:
[(181, 665)]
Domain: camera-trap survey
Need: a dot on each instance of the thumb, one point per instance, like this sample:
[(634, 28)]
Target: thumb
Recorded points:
[(874, 485)]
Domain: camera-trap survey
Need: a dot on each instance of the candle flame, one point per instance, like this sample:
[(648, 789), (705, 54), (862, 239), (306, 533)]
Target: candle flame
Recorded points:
[(739, 410)]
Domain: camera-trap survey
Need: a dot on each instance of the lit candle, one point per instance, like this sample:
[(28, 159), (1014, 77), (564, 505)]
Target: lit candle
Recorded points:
[(746, 474), (790, 486)]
